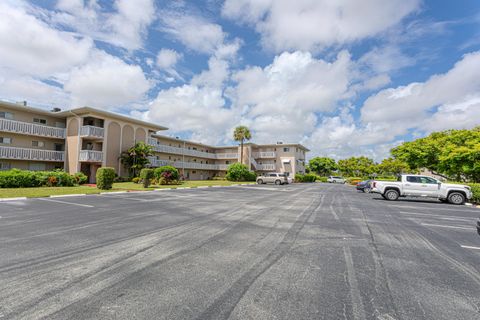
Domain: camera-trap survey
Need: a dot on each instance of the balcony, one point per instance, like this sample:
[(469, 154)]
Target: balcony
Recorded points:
[(31, 129), (92, 132), (90, 156), (268, 154), (222, 167), (31, 154), (266, 167), (226, 155), (154, 162), (195, 165), (181, 151)]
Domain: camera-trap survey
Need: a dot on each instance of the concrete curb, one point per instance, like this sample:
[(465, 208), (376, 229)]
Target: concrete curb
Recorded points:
[(68, 195), (12, 199), (114, 192)]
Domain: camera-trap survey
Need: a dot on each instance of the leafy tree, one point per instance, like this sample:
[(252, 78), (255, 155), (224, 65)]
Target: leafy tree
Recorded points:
[(136, 158), (241, 134), (322, 165), (356, 166), (452, 153), (391, 166)]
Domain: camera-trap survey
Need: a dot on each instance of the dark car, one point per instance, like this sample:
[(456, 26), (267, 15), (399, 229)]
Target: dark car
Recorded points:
[(364, 186), (478, 226)]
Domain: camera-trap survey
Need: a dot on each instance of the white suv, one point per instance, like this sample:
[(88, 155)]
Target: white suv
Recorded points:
[(335, 179), (274, 177)]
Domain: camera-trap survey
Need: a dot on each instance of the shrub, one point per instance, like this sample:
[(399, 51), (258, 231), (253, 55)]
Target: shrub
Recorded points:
[(136, 180), (240, 172), (105, 177), (80, 178), (476, 192), (322, 179), (309, 177), (16, 178), (166, 175), (146, 175)]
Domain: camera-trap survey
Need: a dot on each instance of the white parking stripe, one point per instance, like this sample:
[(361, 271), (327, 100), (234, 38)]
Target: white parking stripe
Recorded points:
[(470, 247), (426, 215), (456, 208), (66, 202), (444, 226)]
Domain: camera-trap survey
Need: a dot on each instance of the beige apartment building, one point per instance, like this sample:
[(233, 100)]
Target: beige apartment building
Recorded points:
[(85, 139)]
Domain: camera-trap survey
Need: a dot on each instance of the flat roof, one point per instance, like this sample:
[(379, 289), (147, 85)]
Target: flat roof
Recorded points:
[(19, 106)]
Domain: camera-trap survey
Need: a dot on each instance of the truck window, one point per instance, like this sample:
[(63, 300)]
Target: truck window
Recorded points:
[(412, 179), (428, 180)]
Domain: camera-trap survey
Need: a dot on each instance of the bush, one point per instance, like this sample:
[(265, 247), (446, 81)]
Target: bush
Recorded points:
[(105, 177), (146, 175), (16, 178), (322, 179), (309, 177), (476, 192), (166, 175), (136, 180), (80, 178), (240, 172)]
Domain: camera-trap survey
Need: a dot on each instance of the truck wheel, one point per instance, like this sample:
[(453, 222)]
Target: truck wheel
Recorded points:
[(278, 182), (366, 190), (259, 181), (392, 195), (456, 198)]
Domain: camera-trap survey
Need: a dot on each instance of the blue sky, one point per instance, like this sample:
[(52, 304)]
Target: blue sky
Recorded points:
[(342, 77)]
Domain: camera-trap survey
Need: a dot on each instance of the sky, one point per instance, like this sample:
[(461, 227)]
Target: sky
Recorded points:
[(342, 77)]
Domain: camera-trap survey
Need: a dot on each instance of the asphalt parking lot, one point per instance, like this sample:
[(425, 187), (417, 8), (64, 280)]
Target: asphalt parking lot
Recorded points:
[(304, 251)]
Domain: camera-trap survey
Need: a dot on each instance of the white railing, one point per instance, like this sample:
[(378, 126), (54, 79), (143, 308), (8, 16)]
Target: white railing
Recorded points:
[(91, 131), (154, 162), (31, 154), (90, 156), (266, 167), (226, 155), (195, 165), (267, 154), (31, 128), (223, 167), (152, 141), (182, 151)]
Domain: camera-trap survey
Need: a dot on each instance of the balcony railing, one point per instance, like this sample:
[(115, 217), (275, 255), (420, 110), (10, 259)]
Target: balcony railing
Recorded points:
[(226, 155), (266, 167), (267, 154), (31, 154), (90, 156), (182, 151), (154, 162), (31, 129), (195, 165), (223, 167), (91, 131)]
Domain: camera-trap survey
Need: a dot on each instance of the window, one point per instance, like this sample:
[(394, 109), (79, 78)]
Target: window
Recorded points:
[(60, 124), (286, 149), (58, 146), (227, 162), (413, 179), (37, 166), (428, 180), (6, 115), (41, 121), (5, 166), (5, 140), (39, 144)]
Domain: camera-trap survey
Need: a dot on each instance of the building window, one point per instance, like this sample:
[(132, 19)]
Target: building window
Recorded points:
[(58, 147), (6, 115), (37, 167), (38, 120), (286, 149), (194, 172), (4, 140), (5, 166), (227, 162), (39, 144)]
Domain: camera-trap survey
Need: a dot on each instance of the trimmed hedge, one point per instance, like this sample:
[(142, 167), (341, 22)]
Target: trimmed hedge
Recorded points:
[(16, 178), (146, 175), (81, 178), (475, 191), (166, 175), (105, 177), (240, 172)]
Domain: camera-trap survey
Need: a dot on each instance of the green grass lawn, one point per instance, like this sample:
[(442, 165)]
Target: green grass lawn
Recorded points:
[(121, 186)]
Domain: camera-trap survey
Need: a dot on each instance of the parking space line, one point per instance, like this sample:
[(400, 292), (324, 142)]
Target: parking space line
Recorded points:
[(66, 202), (437, 216), (444, 226), (456, 208), (470, 247)]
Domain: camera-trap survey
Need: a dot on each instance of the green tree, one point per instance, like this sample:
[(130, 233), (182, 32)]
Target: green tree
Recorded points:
[(357, 166), (391, 166), (240, 172), (240, 134), (323, 166), (136, 158)]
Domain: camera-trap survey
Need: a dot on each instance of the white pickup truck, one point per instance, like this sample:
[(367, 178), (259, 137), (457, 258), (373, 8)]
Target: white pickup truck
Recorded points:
[(421, 186)]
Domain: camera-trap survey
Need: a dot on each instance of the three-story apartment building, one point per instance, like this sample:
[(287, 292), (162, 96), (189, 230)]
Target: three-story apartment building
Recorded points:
[(85, 139)]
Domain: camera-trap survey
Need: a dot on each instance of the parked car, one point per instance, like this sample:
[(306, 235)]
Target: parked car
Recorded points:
[(478, 226), (422, 186), (275, 177), (335, 179), (364, 186)]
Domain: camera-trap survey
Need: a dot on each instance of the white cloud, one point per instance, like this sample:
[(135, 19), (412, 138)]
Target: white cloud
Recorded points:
[(125, 27), (461, 115), (30, 46), (106, 81), (411, 103), (386, 59), (194, 32), (20, 88), (167, 58), (315, 24)]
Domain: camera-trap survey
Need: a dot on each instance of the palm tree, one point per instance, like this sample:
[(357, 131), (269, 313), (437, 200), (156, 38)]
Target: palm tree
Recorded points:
[(241, 134), (136, 158)]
